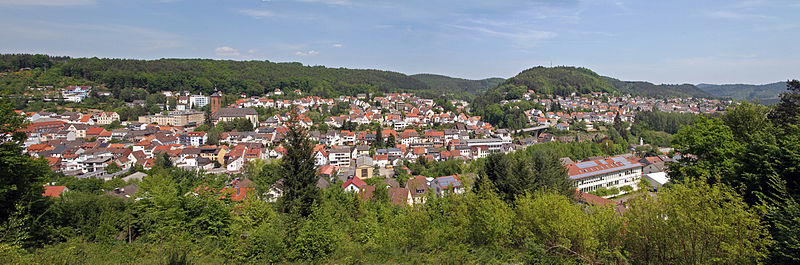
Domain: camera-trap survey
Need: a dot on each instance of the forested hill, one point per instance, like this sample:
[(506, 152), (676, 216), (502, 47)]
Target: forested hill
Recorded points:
[(561, 80), (451, 84), (767, 93), (657, 91), (232, 77)]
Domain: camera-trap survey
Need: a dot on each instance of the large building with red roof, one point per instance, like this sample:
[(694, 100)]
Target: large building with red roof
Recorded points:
[(608, 172)]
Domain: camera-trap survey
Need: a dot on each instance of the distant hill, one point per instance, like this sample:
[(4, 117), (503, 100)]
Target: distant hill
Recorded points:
[(766, 94), (561, 80), (657, 91), (447, 84), (231, 77)]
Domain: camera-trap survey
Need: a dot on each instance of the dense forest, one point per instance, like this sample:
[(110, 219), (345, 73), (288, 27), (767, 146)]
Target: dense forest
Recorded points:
[(657, 91), (470, 88), (765, 94), (231, 77)]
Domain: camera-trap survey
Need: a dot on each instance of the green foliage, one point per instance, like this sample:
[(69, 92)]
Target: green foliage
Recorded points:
[(315, 240), (299, 172), (669, 122), (378, 139), (787, 111), (491, 220), (112, 168), (435, 169), (765, 93), (504, 116), (524, 172), (695, 223), (710, 149), (10, 123), (242, 125), (457, 87), (560, 80), (561, 226), (390, 141), (163, 160), (605, 192), (91, 216), (746, 120), (579, 150), (658, 91)]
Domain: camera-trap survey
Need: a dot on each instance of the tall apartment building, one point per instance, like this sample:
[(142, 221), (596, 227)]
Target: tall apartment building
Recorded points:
[(198, 101)]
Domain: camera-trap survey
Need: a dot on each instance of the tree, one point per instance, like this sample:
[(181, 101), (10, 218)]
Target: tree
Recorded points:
[(620, 127), (563, 227), (163, 160), (694, 223), (787, 111), (524, 172), (746, 119), (208, 117), (299, 173), (709, 149), (10, 123), (21, 179), (378, 139), (243, 125), (390, 141), (263, 173), (112, 168)]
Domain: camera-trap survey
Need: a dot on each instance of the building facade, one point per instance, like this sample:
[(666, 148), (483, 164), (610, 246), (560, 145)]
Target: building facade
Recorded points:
[(175, 118), (612, 172)]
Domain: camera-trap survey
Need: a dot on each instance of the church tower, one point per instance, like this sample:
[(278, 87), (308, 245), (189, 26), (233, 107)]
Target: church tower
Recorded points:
[(216, 102)]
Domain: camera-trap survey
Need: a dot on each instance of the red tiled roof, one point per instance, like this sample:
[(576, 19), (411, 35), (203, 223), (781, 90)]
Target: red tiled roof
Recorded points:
[(355, 181), (593, 199), (53, 191)]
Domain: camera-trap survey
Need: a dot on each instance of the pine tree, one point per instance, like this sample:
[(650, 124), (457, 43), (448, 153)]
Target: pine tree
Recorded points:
[(299, 190), (378, 139), (390, 141)]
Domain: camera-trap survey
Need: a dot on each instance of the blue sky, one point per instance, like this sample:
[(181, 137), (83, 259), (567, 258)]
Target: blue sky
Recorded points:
[(731, 41)]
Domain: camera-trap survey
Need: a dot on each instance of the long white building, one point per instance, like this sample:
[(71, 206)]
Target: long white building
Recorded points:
[(605, 173)]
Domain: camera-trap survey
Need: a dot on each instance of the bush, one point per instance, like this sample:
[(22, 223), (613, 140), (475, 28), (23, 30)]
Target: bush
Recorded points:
[(627, 188)]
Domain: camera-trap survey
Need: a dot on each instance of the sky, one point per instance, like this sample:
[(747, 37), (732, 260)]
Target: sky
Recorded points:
[(718, 42)]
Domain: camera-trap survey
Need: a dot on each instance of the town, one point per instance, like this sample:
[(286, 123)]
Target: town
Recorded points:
[(364, 138)]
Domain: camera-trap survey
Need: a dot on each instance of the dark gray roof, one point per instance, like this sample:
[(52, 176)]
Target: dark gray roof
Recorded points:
[(235, 112)]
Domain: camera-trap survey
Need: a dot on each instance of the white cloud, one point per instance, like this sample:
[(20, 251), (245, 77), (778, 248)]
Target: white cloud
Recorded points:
[(309, 53), (226, 51), (521, 36), (735, 15), (338, 45), (329, 2), (251, 51), (257, 13), (47, 2)]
